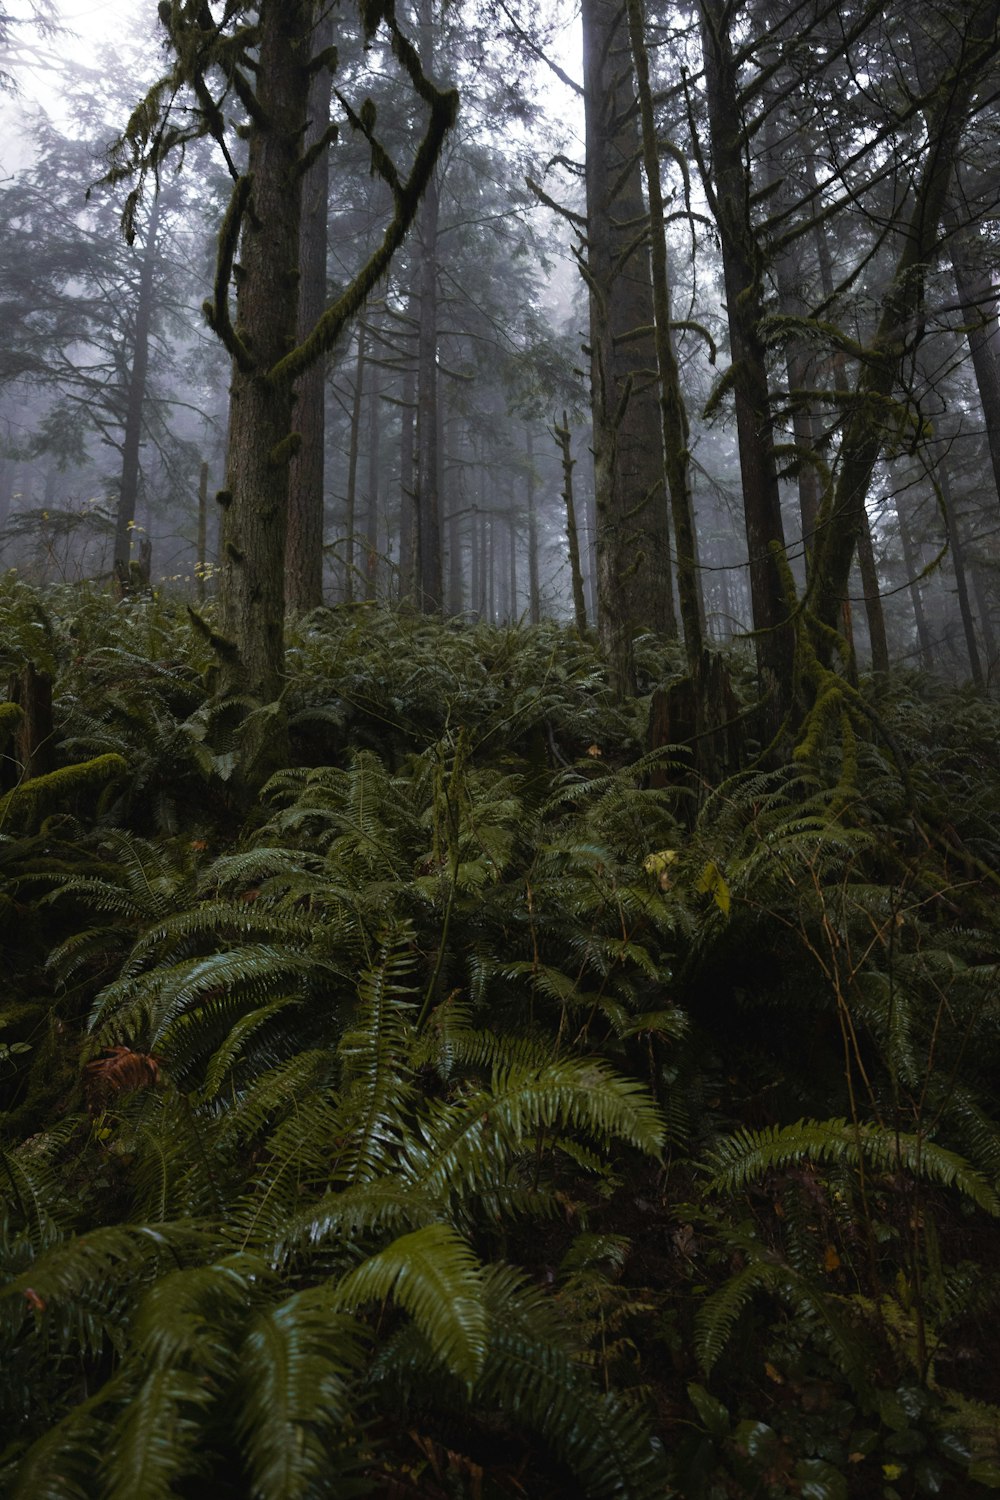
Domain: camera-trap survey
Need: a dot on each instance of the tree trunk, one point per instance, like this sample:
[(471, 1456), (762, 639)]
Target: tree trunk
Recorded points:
[(353, 457), (865, 432), (456, 581), (913, 569), (985, 621), (873, 599), (128, 492), (260, 419), (304, 558), (407, 484), (201, 564), (731, 189), (32, 748), (372, 483), (673, 414), (534, 592), (428, 499), (562, 437), (977, 296), (957, 549), (491, 567), (475, 601), (634, 588), (874, 612), (8, 471)]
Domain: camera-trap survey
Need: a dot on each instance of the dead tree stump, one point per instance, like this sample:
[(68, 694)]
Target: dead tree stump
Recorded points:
[(31, 750)]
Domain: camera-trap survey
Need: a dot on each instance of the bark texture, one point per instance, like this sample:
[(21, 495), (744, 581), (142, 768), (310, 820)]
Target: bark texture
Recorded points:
[(304, 556), (742, 267), (634, 588), (260, 417)]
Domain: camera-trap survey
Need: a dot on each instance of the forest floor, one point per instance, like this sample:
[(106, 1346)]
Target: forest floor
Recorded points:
[(483, 1107)]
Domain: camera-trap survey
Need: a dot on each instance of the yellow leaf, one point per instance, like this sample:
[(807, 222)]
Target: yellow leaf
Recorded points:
[(713, 883), (657, 864)]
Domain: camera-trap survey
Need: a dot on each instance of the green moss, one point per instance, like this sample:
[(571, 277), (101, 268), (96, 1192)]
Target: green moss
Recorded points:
[(27, 804), (11, 715)]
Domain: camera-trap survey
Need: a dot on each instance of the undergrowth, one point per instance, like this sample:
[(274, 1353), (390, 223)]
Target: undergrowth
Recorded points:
[(474, 1114)]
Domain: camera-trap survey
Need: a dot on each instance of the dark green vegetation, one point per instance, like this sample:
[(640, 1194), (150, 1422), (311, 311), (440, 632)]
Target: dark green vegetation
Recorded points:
[(475, 1115)]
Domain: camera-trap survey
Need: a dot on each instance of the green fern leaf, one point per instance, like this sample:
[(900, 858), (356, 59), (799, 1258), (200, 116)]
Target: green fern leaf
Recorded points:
[(432, 1273), (296, 1414)]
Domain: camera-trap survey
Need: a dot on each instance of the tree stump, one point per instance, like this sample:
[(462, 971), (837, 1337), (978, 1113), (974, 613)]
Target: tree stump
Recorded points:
[(31, 750)]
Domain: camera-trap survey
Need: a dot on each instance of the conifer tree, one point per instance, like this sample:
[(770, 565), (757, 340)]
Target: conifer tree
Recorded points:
[(257, 61)]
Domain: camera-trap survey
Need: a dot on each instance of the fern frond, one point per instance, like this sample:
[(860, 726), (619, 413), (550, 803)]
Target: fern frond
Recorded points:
[(154, 1442), (454, 1148), (296, 1406), (29, 1183), (364, 1210), (747, 1155), (532, 1373), (96, 1265), (432, 1273), (374, 1056)]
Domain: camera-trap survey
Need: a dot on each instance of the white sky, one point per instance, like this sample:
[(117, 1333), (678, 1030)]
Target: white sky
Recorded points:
[(90, 26)]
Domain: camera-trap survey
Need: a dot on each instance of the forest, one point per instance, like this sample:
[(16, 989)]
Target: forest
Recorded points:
[(499, 749)]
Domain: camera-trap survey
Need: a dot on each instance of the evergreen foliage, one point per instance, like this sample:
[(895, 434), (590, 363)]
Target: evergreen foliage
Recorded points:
[(470, 1115)]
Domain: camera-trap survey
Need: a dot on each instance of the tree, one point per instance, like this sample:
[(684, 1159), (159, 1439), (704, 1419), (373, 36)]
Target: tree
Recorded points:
[(98, 333), (729, 187), (304, 560), (633, 541), (961, 61), (259, 61)]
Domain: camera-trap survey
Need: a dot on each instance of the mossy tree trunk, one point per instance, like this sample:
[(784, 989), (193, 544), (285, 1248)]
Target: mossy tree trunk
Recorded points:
[(304, 554), (730, 191), (673, 413), (260, 57), (261, 400), (562, 437), (634, 587), (427, 507)]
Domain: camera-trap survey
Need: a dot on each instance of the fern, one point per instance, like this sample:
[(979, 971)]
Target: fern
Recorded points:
[(746, 1156), (298, 1423), (433, 1274)]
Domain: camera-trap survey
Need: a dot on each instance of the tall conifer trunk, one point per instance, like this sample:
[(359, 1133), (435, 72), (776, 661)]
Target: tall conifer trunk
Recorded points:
[(730, 190), (427, 508), (304, 557), (260, 415), (128, 492), (634, 588)]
